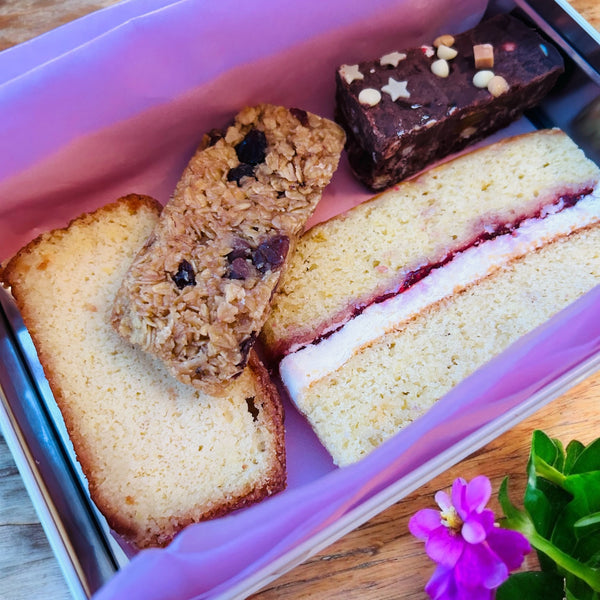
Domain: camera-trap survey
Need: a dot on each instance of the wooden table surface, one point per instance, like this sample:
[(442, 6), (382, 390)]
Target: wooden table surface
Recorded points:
[(379, 560)]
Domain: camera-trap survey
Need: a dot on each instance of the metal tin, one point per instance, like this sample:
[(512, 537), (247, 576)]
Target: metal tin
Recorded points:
[(31, 422)]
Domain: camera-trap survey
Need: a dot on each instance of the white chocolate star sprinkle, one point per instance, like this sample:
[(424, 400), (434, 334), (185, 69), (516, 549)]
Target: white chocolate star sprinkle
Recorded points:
[(350, 73), (396, 89), (392, 59)]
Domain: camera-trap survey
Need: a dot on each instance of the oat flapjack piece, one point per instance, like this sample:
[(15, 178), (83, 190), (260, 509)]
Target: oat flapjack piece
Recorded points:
[(199, 291)]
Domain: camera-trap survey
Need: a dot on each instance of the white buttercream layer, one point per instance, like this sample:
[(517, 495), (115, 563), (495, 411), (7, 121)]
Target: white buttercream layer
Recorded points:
[(311, 363)]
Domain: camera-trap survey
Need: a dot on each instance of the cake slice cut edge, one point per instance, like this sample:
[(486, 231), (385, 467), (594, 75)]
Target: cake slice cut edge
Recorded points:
[(157, 454), (301, 368), (389, 383)]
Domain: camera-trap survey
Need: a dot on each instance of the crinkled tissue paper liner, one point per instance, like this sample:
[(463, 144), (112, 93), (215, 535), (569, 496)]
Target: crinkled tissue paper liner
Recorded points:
[(115, 103)]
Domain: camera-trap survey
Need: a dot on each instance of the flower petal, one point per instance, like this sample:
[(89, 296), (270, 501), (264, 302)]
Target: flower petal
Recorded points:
[(478, 493), (473, 531), (478, 566), (487, 519), (510, 546), (479, 593), (477, 526), (441, 586), (443, 501), (423, 522), (459, 488), (444, 547)]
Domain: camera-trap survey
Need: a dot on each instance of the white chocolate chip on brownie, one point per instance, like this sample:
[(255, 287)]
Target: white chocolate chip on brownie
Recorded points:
[(446, 52), (497, 86), (392, 59), (350, 73), (482, 78), (369, 97), (440, 67)]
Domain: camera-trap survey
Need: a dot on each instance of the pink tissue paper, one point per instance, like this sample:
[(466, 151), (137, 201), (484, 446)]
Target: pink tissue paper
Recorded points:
[(115, 103)]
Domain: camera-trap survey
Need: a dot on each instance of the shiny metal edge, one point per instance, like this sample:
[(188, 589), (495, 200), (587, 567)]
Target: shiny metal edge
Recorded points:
[(57, 492), (78, 539), (569, 30), (59, 545)]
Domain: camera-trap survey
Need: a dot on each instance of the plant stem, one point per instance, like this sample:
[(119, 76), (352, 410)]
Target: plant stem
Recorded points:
[(544, 470), (565, 561)]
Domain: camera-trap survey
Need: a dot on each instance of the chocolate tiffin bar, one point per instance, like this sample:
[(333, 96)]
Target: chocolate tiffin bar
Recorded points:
[(409, 108)]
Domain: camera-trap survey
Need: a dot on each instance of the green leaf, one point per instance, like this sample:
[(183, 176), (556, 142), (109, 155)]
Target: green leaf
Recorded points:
[(574, 449), (547, 449), (585, 488), (578, 589), (545, 497), (594, 560), (532, 585), (542, 468), (589, 459), (566, 563), (588, 525), (544, 502), (561, 457), (513, 517), (589, 520), (509, 509), (562, 512), (587, 532)]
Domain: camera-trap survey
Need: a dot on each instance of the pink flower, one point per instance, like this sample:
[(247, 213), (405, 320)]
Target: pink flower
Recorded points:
[(474, 555)]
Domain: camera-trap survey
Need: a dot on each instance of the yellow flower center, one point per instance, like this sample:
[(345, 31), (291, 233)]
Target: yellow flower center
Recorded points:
[(451, 520)]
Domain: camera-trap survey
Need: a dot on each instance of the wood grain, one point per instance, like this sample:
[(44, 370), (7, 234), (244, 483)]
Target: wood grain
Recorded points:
[(27, 564), (379, 560), (21, 20), (589, 9)]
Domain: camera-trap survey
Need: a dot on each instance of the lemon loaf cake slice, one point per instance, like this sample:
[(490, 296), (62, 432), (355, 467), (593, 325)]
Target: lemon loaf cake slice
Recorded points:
[(508, 233), (157, 454)]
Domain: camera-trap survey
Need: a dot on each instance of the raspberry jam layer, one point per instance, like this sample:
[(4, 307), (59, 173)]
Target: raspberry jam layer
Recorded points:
[(435, 282), (404, 280)]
